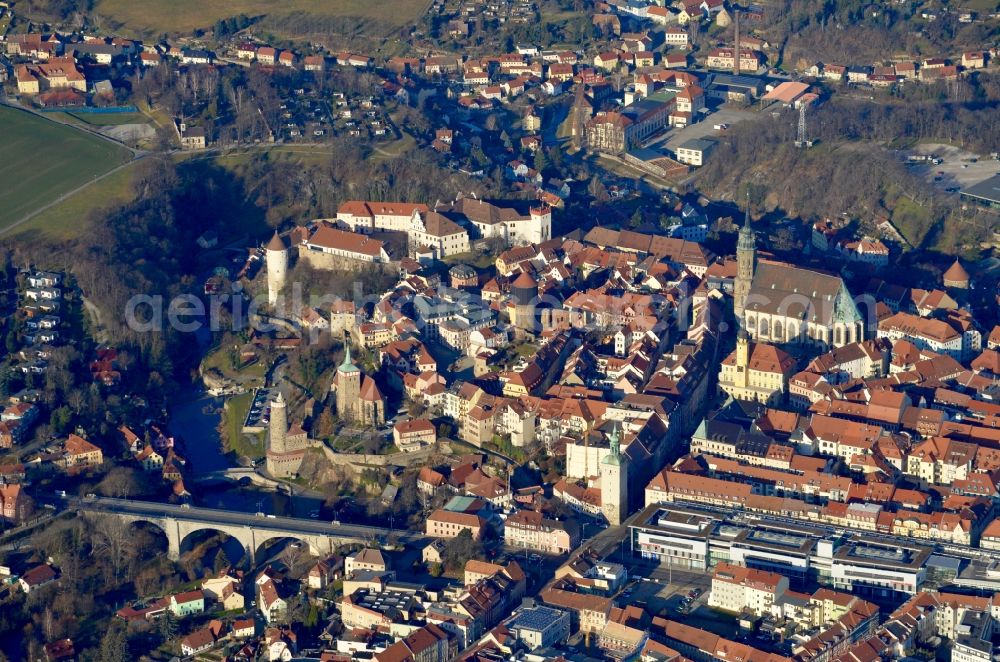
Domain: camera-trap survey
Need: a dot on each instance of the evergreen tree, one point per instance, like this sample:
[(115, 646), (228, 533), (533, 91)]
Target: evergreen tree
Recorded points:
[(636, 219), (114, 645), (505, 139), (168, 626), (541, 161), (556, 156), (221, 561), (312, 617)]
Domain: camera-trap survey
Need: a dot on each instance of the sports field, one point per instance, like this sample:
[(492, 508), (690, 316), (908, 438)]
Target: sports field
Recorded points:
[(41, 160), (159, 16)]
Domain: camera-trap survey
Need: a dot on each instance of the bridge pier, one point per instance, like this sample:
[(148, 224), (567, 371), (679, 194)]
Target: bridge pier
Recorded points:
[(173, 548), (250, 531), (172, 527)]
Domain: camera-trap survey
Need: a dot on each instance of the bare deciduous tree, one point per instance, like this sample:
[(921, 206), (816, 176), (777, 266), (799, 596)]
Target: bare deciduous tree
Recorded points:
[(112, 539)]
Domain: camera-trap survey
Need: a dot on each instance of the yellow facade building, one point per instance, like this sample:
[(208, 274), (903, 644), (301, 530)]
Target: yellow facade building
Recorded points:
[(756, 372)]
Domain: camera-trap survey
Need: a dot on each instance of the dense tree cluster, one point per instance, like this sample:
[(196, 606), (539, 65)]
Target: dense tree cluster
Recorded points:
[(102, 562), (859, 32), (841, 177), (228, 26), (973, 125), (460, 549), (60, 9)]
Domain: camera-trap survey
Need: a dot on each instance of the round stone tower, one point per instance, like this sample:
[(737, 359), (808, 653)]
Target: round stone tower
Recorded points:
[(278, 427), (276, 254)]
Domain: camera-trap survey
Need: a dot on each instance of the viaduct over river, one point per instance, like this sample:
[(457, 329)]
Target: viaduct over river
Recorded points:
[(253, 531)]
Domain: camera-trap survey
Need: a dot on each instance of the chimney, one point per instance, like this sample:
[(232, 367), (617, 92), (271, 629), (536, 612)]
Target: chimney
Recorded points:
[(736, 47)]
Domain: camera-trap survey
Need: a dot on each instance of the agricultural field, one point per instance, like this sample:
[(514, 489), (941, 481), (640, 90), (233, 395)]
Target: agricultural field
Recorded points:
[(63, 221), (47, 160), (187, 15)]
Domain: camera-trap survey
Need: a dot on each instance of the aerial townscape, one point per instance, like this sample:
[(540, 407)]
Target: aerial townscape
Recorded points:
[(500, 330)]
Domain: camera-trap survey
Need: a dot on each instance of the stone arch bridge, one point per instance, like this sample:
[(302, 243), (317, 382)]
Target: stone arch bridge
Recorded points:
[(253, 531)]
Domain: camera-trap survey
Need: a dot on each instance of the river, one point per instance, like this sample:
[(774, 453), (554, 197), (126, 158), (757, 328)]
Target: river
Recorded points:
[(194, 421)]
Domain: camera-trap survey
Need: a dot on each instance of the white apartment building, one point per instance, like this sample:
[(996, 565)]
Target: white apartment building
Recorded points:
[(738, 589), (932, 334)]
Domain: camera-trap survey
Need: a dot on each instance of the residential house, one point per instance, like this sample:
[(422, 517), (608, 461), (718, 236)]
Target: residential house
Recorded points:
[(528, 529), (693, 152), (14, 503), (271, 604), (224, 590), (201, 640), (324, 571), (187, 603), (411, 435), (974, 59), (80, 453), (724, 58), (738, 589), (676, 37), (365, 559), (37, 577), (447, 524)]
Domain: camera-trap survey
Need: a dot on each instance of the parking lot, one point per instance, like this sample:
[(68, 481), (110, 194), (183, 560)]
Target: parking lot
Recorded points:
[(259, 414), (662, 588), (958, 169), (704, 129)]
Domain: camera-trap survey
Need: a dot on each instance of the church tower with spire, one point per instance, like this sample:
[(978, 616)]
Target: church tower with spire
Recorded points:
[(614, 481), (348, 387), (746, 262)]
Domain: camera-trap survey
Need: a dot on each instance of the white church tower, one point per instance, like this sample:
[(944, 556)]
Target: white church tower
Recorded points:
[(276, 254), (614, 482)]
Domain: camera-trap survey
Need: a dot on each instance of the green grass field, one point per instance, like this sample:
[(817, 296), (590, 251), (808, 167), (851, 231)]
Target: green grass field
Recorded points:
[(243, 445), (41, 160), (158, 16), (63, 221), (99, 119), (111, 119)]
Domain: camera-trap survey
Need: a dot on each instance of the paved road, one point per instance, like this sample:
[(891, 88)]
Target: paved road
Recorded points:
[(290, 525)]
